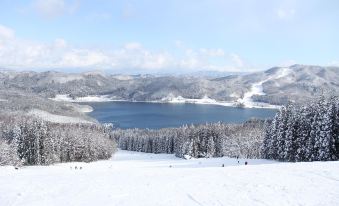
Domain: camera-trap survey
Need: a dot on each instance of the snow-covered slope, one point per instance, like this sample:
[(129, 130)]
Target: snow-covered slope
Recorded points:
[(131, 178), (55, 118), (91, 98), (257, 89)]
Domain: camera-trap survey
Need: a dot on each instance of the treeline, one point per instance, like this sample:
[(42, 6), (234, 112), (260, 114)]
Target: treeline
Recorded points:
[(207, 140), (25, 140), (304, 133)]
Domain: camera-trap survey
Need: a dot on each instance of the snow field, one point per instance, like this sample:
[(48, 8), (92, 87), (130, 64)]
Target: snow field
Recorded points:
[(257, 89), (132, 178), (56, 118), (92, 98), (174, 100)]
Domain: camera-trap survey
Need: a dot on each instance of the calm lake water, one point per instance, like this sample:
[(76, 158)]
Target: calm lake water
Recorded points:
[(155, 115)]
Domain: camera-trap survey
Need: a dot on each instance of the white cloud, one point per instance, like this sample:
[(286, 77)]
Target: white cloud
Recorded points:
[(334, 63), (6, 32), (82, 58), (54, 8), (237, 60), (133, 46), (24, 54), (60, 43), (212, 52), (179, 44)]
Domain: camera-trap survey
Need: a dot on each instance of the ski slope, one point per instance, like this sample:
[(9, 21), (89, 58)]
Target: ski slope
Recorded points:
[(257, 89), (132, 178)]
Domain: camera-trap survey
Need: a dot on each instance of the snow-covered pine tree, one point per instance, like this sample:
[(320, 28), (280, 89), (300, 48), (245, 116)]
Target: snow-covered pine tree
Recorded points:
[(326, 146), (303, 133), (335, 116), (210, 147), (292, 125), (268, 134)]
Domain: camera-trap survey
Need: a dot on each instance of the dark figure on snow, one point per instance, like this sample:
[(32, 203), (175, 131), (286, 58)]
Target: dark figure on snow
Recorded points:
[(245, 163)]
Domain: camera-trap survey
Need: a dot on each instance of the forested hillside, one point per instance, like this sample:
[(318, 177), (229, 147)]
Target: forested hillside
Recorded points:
[(208, 140), (277, 85), (307, 132)]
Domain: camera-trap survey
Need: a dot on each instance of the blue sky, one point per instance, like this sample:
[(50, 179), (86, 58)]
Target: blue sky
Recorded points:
[(167, 36)]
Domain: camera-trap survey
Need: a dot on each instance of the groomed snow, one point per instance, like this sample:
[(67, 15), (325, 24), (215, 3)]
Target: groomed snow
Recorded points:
[(257, 89), (55, 118), (132, 178)]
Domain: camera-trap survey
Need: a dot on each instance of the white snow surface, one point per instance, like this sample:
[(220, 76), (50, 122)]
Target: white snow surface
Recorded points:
[(257, 89), (55, 118), (132, 178), (84, 108), (204, 100), (91, 98), (247, 102)]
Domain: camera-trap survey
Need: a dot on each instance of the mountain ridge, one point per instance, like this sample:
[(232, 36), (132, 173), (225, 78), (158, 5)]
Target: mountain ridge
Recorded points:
[(300, 83)]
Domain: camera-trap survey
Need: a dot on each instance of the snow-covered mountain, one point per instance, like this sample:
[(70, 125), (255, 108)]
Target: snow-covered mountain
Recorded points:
[(25, 102), (275, 86)]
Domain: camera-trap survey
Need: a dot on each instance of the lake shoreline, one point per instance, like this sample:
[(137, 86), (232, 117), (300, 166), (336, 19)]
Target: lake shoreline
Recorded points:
[(153, 115), (177, 100)]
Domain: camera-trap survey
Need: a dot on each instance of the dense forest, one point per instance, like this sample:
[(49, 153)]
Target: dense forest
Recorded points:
[(25, 140), (297, 133), (207, 140), (304, 133)]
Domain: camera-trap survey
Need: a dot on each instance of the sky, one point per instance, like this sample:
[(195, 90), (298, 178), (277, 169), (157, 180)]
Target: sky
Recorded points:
[(168, 35)]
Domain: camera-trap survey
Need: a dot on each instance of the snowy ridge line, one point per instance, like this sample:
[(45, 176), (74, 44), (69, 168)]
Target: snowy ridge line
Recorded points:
[(169, 99)]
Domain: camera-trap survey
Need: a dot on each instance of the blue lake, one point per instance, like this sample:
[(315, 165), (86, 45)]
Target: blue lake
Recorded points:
[(156, 115)]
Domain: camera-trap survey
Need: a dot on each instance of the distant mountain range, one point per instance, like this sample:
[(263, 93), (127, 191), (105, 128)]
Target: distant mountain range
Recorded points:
[(277, 85)]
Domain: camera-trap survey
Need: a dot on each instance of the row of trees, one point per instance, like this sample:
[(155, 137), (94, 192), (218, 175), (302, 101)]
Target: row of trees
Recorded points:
[(31, 141), (304, 133), (297, 133), (208, 140)]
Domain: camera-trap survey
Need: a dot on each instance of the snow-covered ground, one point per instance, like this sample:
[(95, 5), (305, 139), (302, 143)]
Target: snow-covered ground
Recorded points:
[(204, 100), (84, 108), (257, 89), (91, 98), (169, 99), (132, 178), (56, 118)]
